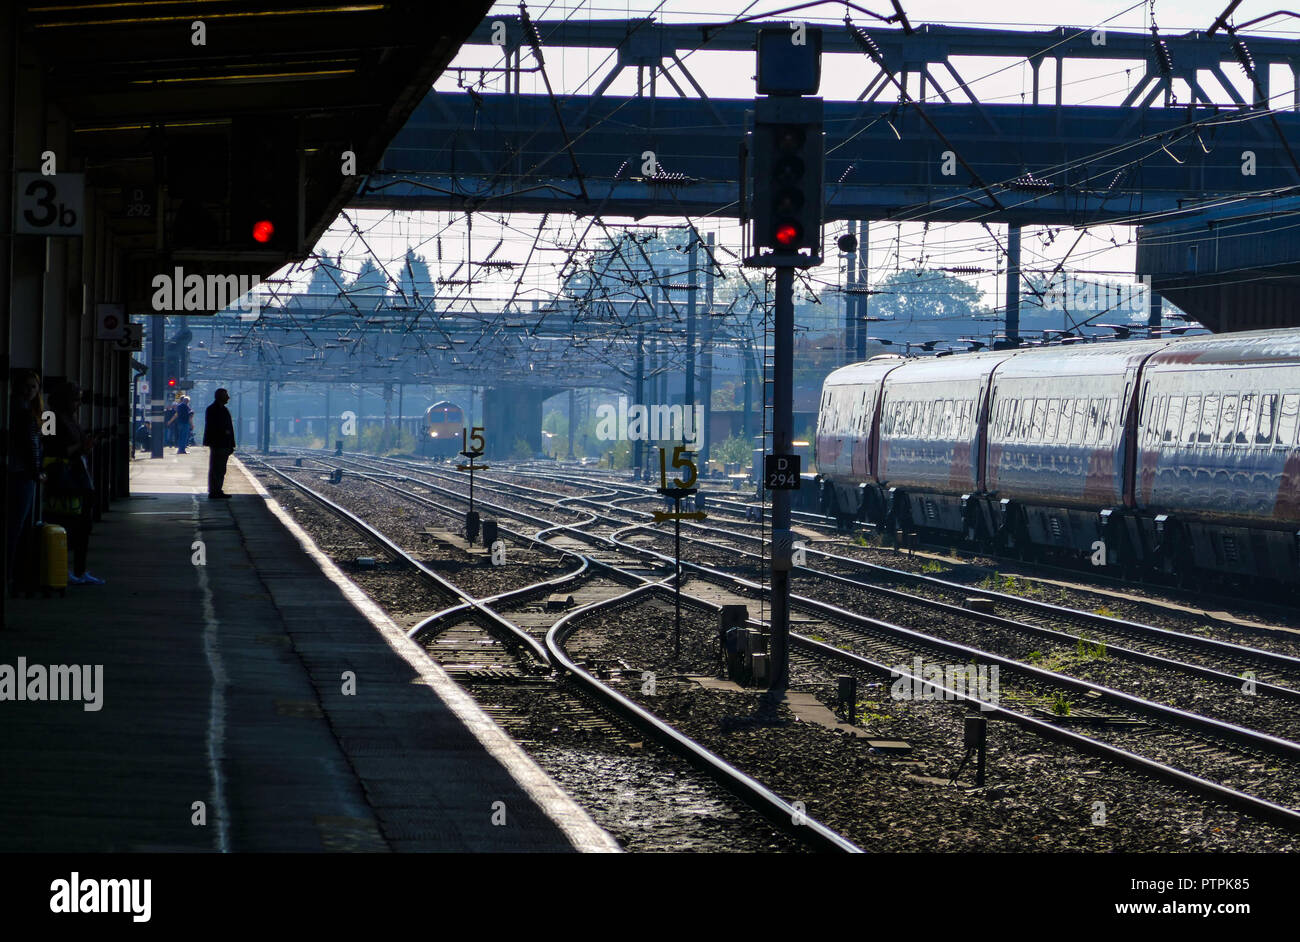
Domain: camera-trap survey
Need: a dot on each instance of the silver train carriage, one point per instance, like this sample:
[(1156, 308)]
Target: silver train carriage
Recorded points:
[(1174, 455)]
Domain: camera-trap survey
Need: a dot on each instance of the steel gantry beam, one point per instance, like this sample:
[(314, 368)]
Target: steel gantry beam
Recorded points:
[(917, 144)]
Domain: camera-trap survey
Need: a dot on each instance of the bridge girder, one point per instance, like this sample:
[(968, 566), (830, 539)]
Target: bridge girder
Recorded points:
[(1045, 163)]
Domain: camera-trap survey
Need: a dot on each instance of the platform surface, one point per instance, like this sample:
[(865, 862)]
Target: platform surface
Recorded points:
[(223, 684)]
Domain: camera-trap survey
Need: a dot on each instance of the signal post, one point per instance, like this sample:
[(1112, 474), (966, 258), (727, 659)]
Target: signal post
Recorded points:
[(788, 160)]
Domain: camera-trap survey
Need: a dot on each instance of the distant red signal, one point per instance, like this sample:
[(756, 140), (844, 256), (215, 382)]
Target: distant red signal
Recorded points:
[(787, 234), (263, 229)]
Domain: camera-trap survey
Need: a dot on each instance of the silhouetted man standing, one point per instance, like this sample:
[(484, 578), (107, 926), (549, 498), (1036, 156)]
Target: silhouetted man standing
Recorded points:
[(219, 438)]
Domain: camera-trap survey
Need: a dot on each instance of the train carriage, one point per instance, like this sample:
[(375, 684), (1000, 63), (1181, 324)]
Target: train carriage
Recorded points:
[(1218, 467), (1178, 455), (1059, 445), (844, 447), (932, 441)]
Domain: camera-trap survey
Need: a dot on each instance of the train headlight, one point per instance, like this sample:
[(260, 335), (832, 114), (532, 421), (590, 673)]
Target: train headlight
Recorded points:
[(433, 434)]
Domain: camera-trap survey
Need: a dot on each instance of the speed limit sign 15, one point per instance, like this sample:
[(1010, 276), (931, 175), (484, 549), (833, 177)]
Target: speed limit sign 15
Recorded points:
[(49, 205)]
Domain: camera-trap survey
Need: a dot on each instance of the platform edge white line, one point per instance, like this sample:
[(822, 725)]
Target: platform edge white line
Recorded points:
[(582, 832)]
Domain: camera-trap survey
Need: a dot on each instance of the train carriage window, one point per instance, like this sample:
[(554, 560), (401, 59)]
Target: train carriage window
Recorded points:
[(1227, 419), (1209, 420), (1009, 422), (1191, 419), (1286, 424), (1156, 423), (1106, 434), (946, 430), (1038, 421), (1173, 419), (936, 422), (1026, 416), (1157, 431), (865, 412), (967, 412), (1150, 417), (1267, 412), (1094, 422), (1078, 421), (1246, 420), (1053, 417)]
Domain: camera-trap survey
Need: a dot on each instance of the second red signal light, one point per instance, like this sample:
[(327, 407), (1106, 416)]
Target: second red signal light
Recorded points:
[(788, 158)]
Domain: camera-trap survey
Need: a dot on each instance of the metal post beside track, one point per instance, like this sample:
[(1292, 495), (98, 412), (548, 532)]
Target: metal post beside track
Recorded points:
[(782, 444)]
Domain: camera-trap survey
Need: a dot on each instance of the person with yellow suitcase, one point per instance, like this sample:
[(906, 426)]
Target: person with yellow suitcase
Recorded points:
[(70, 491), (53, 542)]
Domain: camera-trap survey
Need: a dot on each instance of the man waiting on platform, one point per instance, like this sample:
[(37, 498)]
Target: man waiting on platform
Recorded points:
[(219, 438), (183, 418)]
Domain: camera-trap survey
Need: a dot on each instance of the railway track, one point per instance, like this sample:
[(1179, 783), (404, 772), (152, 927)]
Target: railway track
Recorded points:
[(1233, 665), (1103, 587), (490, 651), (1231, 751)]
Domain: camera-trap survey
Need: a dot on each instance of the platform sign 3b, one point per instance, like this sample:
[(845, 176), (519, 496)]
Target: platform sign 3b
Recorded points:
[(49, 205), (781, 472)]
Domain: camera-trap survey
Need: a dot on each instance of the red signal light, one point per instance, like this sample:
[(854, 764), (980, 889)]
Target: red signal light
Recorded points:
[(787, 234), (171, 382), (263, 229)]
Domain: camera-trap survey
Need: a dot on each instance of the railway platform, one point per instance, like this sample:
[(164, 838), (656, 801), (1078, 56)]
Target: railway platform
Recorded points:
[(240, 694)]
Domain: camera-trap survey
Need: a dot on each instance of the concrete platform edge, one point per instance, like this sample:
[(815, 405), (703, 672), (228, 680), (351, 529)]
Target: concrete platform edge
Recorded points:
[(582, 832)]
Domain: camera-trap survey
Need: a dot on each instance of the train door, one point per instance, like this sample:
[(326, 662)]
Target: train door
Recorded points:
[(863, 413)]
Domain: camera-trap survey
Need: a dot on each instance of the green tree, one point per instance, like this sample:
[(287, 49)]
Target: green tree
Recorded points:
[(735, 450), (925, 293)]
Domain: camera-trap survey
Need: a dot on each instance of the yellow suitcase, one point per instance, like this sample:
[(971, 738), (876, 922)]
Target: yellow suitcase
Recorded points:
[(53, 549)]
